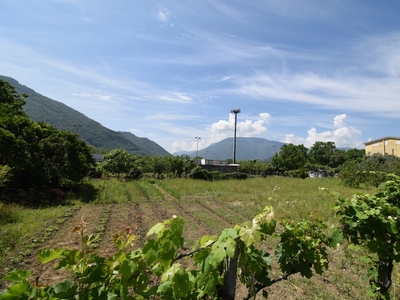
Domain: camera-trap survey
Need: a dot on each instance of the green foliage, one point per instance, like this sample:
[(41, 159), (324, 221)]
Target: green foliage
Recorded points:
[(38, 154), (254, 167), (290, 157), (181, 164), (9, 213), (4, 174), (355, 154), (236, 175), (155, 271), (119, 161), (157, 165), (200, 173), (370, 171), (321, 152), (372, 221)]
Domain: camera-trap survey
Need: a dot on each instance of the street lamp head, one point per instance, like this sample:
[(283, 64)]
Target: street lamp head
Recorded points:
[(235, 110)]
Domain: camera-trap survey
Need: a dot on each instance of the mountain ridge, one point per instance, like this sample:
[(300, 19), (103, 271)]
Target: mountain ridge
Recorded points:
[(41, 108)]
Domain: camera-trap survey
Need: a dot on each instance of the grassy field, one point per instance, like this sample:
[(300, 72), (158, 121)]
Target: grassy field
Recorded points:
[(106, 207)]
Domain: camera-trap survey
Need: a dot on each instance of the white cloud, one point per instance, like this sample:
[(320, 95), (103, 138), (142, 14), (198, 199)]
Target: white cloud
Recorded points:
[(342, 136), (244, 128), (338, 121), (163, 15)]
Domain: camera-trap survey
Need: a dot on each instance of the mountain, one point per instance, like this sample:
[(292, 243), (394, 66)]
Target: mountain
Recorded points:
[(247, 148), (152, 147), (63, 117)]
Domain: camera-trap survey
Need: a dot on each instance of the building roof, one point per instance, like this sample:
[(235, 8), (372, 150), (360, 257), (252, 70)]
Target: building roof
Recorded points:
[(382, 139), (97, 157)]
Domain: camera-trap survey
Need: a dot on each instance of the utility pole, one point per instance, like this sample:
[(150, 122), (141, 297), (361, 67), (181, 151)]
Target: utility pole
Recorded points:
[(235, 111), (197, 138)]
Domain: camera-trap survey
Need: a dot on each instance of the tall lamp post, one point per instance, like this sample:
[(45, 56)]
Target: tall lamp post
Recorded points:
[(235, 111), (197, 138)]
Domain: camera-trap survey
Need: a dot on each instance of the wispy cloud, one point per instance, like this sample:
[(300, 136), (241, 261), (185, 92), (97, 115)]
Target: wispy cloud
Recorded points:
[(163, 15), (174, 97), (171, 116), (350, 93)]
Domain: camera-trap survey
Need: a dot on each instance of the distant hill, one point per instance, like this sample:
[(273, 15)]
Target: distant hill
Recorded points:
[(247, 148), (63, 117), (151, 147)]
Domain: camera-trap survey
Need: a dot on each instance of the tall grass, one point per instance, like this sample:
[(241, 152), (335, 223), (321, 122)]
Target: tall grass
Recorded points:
[(290, 197)]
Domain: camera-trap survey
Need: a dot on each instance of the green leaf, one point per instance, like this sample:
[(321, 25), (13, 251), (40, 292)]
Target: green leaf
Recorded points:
[(207, 240), (66, 289), (361, 215), (165, 288), (181, 284), (155, 229), (112, 296), (17, 275), (365, 259), (17, 291), (231, 232), (393, 228), (335, 238), (250, 235), (219, 254), (47, 255), (127, 269)]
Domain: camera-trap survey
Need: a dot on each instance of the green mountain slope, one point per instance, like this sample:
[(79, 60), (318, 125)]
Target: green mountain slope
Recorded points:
[(153, 148), (61, 116)]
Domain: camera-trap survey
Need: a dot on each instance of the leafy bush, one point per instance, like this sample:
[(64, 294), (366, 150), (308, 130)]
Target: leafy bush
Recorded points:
[(96, 171), (9, 213), (371, 221), (369, 172), (237, 175), (216, 175), (200, 173)]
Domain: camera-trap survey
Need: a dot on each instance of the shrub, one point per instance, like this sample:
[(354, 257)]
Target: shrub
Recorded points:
[(200, 173), (237, 175), (9, 213)]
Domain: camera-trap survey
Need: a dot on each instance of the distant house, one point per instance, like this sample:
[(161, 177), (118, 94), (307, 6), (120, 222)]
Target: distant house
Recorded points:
[(389, 145), (98, 157)]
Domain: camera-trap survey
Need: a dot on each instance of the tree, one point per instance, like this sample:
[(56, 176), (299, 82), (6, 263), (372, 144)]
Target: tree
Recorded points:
[(118, 161), (38, 154), (158, 165), (321, 152), (180, 164), (290, 157), (355, 154), (338, 157)]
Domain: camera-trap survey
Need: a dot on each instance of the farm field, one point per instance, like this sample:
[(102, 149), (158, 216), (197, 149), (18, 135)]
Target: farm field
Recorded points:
[(208, 207)]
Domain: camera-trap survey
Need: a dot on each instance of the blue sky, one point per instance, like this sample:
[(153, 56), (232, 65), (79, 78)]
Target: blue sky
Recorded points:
[(300, 71)]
